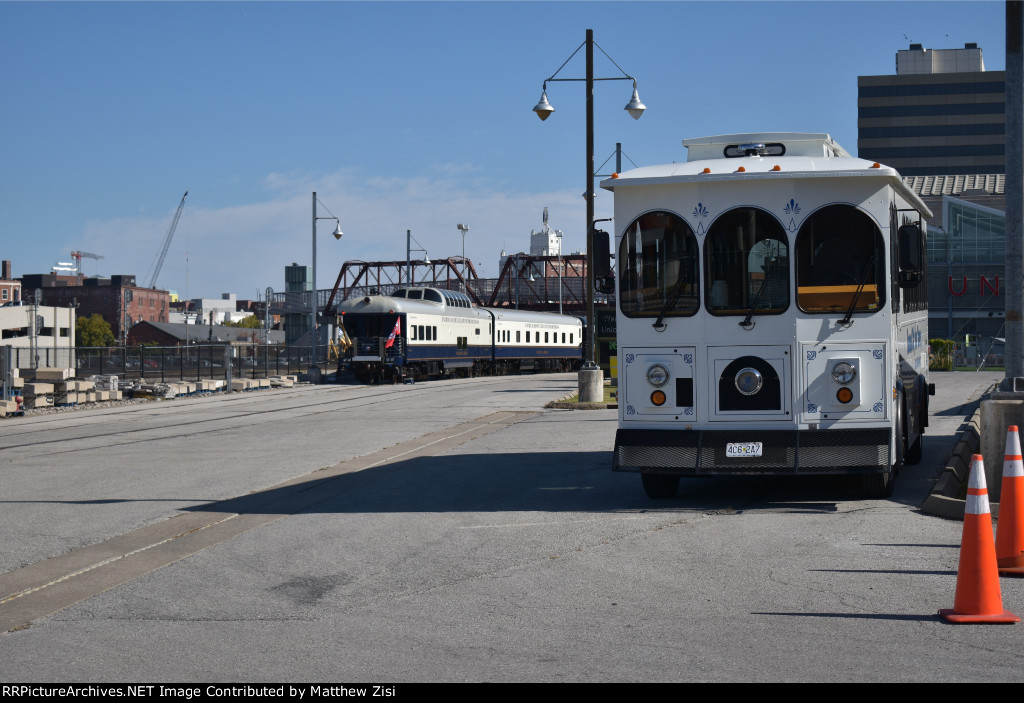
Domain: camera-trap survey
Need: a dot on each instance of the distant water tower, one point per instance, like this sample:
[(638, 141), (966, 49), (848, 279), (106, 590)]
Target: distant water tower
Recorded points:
[(546, 241)]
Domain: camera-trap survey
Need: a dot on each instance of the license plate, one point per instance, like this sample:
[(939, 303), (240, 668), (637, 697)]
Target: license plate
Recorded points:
[(743, 449)]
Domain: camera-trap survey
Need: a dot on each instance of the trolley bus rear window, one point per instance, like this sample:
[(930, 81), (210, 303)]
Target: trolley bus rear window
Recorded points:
[(658, 267), (839, 250)]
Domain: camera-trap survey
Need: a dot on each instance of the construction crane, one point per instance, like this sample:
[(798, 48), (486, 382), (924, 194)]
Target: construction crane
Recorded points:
[(78, 256), (167, 242)]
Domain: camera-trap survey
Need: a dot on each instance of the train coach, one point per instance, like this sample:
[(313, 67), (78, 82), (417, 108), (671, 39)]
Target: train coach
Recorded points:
[(421, 332)]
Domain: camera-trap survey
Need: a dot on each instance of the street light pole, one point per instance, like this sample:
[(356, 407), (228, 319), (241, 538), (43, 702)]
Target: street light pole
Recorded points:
[(465, 230), (591, 377), (314, 368), (409, 239), (589, 195)]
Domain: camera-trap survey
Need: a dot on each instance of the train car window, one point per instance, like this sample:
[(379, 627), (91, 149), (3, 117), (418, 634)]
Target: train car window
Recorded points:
[(421, 332), (545, 337), (563, 337), (658, 267), (477, 330), (433, 331), (838, 248), (416, 294), (570, 338), (412, 332), (517, 336), (746, 264), (431, 294), (527, 336)]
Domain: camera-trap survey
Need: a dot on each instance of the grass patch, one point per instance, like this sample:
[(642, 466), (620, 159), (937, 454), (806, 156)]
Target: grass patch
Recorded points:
[(609, 396)]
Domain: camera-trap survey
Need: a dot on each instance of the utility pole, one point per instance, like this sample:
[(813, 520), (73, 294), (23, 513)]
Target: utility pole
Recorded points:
[(1014, 197)]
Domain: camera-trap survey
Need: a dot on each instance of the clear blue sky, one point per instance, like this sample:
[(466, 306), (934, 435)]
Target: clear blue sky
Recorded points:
[(401, 115)]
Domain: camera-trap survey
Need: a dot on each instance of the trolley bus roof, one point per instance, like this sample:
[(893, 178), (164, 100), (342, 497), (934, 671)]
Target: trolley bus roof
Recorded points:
[(763, 155)]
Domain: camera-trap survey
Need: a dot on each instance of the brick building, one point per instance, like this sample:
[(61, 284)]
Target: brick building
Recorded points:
[(10, 290), (117, 299)]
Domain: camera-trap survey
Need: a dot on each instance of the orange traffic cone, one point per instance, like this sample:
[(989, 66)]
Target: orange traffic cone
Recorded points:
[(1010, 531), (978, 599)]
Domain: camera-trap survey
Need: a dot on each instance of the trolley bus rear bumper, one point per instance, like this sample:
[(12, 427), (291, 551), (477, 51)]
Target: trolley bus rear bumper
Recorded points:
[(706, 452)]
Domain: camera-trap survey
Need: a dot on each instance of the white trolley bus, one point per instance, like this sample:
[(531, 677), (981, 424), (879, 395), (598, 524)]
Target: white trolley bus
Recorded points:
[(772, 314)]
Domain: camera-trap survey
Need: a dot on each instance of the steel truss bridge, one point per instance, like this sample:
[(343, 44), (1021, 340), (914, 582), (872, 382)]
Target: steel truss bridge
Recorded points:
[(526, 282)]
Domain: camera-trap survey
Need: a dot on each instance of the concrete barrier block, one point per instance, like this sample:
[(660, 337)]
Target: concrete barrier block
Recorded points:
[(68, 398), (34, 388), (54, 374)]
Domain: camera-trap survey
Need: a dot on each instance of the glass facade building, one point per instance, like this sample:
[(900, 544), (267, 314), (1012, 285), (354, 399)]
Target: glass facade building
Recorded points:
[(966, 276)]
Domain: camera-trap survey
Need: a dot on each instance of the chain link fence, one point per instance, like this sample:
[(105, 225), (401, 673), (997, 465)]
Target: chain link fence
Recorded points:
[(162, 364)]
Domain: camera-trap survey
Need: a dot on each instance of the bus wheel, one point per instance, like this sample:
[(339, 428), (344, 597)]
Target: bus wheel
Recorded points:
[(660, 486), (913, 456), (879, 485)]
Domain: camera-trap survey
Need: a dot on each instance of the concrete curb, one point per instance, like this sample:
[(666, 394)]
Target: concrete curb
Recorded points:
[(946, 497), (564, 404)]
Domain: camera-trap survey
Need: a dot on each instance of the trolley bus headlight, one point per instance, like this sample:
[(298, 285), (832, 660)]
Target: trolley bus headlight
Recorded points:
[(844, 373), (749, 381), (657, 376)]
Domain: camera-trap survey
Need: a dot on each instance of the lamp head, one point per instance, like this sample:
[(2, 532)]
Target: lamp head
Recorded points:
[(543, 108), (635, 108), (337, 231)]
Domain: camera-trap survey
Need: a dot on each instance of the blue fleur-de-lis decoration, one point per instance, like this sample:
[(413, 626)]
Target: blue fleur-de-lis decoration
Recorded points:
[(877, 353), (629, 358), (687, 358), (687, 411), (630, 410), (792, 208), (877, 408), (811, 355), (700, 211), (812, 408)]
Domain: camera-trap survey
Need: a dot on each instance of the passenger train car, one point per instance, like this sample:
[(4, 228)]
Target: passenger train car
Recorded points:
[(420, 332), (772, 314)]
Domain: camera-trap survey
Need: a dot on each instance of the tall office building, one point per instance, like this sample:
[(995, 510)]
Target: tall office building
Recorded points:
[(941, 114), (941, 122)]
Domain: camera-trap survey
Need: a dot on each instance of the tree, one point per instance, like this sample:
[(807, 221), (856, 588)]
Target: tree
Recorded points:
[(251, 322), (93, 331)]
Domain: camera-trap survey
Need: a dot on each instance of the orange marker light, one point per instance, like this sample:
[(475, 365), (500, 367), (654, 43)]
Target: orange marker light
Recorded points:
[(844, 395), (741, 169), (706, 170), (658, 398), (615, 175), (876, 165), (776, 167)]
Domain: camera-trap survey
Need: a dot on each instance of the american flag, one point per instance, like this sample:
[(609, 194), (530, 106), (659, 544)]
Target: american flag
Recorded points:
[(394, 333)]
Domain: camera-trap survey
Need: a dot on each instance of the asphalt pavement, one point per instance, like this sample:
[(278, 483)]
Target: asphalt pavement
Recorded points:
[(458, 531)]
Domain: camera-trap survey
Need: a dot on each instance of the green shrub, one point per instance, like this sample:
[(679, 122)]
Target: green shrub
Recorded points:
[(940, 354)]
